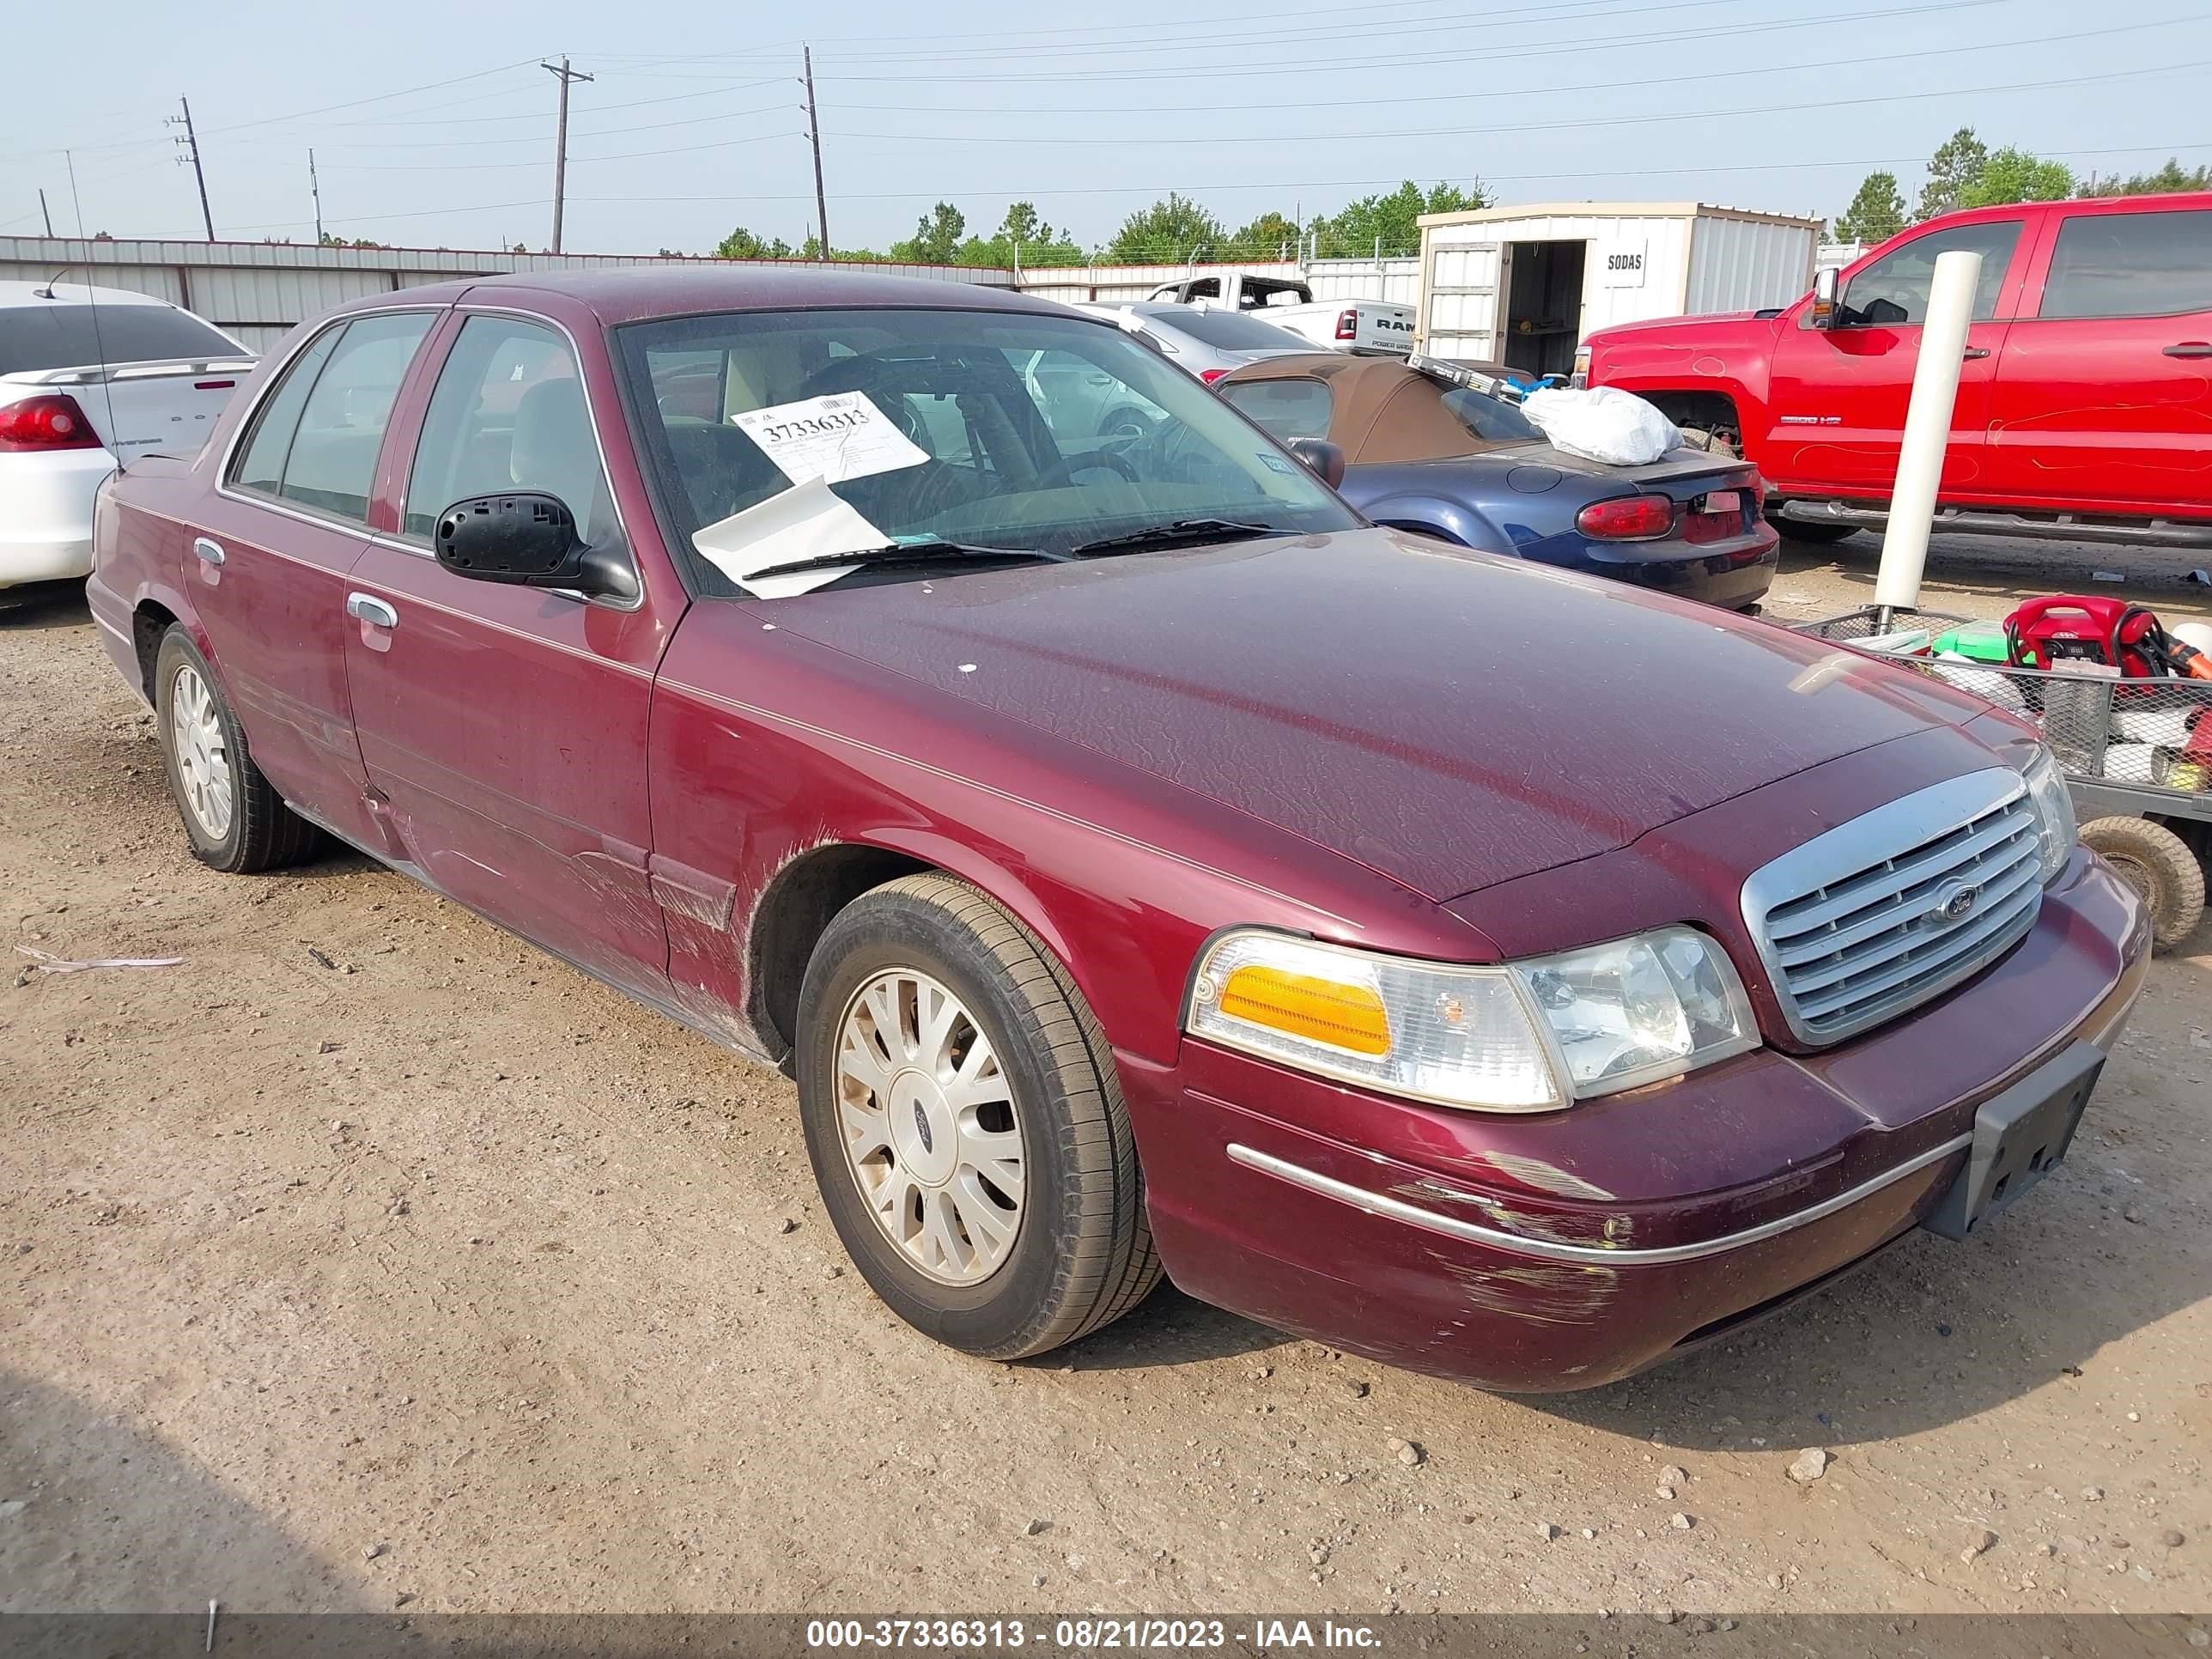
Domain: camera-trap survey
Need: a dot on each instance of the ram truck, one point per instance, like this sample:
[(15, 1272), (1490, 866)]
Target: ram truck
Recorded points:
[(1334, 324), (2084, 410)]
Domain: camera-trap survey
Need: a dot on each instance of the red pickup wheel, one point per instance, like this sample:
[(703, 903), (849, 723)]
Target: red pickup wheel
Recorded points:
[(966, 1125)]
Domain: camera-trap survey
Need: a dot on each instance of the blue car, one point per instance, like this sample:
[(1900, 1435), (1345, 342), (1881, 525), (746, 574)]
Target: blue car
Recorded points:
[(1426, 452)]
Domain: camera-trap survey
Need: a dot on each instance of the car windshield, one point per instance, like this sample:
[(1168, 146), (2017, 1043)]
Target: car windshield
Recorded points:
[(1231, 330), (988, 428)]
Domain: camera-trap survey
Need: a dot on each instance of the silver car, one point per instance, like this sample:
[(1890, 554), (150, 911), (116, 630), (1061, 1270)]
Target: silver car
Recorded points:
[(1206, 342)]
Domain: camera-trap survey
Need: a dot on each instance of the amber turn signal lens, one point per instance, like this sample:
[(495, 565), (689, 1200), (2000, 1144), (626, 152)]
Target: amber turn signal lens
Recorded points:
[(1348, 1017)]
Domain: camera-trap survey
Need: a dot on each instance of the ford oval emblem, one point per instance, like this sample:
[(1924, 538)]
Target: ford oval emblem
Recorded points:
[(1954, 903), (921, 1129)]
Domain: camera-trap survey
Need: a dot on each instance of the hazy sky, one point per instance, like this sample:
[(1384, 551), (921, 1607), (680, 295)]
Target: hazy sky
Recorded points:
[(693, 126)]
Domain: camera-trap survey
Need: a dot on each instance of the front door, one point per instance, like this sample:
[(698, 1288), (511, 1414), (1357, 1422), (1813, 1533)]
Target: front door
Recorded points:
[(268, 564), (1838, 396), (504, 727), (2104, 398)]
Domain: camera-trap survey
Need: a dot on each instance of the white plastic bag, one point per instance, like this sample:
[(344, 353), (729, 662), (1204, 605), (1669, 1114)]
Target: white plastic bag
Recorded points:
[(1603, 423)]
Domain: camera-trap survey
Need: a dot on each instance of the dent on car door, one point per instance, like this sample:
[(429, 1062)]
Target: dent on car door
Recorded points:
[(1838, 396), (268, 562), (504, 726)]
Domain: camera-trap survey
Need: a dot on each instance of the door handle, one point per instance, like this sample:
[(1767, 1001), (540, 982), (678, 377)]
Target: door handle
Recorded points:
[(1975, 354), (2189, 348), (367, 607), (210, 552)]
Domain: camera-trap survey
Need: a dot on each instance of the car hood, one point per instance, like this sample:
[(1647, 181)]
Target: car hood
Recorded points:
[(1447, 718), (1660, 324)]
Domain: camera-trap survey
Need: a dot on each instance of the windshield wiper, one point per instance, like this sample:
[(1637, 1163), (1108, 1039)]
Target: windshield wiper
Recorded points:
[(1182, 529), (910, 553)]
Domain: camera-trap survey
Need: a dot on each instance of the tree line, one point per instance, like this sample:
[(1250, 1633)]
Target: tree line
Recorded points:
[(1174, 230), (1966, 172)]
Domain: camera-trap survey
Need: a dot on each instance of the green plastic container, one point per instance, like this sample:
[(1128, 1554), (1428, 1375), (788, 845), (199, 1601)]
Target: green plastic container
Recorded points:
[(1978, 642)]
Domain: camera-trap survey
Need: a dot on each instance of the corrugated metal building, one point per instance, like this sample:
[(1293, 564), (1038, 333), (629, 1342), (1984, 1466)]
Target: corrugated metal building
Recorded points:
[(1526, 285), (258, 290)]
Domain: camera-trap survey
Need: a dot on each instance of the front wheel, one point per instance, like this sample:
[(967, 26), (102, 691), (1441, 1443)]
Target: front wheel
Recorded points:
[(965, 1124)]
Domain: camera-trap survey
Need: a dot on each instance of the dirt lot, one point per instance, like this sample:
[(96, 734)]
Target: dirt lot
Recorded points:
[(371, 1258)]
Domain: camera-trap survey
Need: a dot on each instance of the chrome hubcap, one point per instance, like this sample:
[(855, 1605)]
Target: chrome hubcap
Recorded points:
[(927, 1116), (203, 756)]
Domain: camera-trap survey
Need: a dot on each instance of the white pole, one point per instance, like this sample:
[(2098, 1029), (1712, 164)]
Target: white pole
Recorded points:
[(1927, 428)]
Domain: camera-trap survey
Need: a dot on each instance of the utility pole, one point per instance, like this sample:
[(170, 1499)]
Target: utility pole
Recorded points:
[(565, 75), (814, 136), (190, 140), (315, 190), (44, 211), (75, 202)]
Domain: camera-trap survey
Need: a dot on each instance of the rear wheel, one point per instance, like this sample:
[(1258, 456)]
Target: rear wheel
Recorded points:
[(966, 1125), (2157, 864), (234, 818)]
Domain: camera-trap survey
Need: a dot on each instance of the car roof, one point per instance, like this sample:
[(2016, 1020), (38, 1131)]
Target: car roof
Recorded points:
[(635, 293), (1379, 408), (13, 294)]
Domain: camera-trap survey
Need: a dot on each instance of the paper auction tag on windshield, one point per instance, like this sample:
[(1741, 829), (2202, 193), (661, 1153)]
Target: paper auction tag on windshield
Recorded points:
[(843, 435), (805, 525)]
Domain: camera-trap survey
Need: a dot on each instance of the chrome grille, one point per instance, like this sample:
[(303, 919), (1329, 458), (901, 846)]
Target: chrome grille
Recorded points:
[(1883, 913)]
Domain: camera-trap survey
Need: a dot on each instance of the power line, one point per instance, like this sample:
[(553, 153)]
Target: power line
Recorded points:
[(1579, 123), (1826, 66)]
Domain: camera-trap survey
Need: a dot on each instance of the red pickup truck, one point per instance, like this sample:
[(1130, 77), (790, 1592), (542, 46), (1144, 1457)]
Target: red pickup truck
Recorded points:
[(2085, 404)]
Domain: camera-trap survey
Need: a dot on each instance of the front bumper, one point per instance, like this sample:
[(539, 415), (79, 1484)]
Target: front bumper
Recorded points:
[(1573, 1248)]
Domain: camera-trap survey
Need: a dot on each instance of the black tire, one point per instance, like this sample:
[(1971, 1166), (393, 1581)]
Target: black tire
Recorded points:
[(261, 832), (2157, 864), (1820, 535), (1082, 1253)]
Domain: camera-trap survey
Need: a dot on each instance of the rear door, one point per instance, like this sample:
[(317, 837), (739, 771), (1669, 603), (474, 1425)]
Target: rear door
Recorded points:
[(504, 727), (2104, 397), (268, 562), (1837, 399)]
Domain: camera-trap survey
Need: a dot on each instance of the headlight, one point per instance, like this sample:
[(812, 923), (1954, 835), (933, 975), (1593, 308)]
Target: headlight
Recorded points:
[(1529, 1037), (2054, 810)]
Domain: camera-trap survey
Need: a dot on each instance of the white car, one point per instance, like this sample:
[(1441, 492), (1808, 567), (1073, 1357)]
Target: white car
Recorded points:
[(88, 375)]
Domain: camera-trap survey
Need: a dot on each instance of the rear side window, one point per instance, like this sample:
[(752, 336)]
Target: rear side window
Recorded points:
[(56, 334), (332, 461), (1288, 408), (509, 413), (1893, 291), (262, 466), (2130, 264)]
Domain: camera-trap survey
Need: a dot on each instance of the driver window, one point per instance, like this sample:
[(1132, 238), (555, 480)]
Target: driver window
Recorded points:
[(1893, 291), (509, 413)]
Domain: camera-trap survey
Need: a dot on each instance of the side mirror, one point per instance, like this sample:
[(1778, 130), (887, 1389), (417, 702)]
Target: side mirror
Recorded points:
[(1823, 298), (1323, 459), (528, 539)]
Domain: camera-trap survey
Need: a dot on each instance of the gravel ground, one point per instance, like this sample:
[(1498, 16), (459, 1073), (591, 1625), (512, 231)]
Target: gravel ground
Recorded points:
[(370, 1258)]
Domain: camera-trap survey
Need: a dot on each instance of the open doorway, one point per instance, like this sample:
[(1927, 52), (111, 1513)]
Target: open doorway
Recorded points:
[(1543, 306)]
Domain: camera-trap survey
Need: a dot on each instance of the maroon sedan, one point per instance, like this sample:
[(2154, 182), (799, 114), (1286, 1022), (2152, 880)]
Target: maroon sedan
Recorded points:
[(1141, 863)]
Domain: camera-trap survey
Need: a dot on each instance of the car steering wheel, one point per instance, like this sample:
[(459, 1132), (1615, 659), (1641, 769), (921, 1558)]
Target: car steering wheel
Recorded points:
[(1063, 470)]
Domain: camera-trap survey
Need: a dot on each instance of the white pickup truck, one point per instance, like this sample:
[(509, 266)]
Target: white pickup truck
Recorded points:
[(1338, 325)]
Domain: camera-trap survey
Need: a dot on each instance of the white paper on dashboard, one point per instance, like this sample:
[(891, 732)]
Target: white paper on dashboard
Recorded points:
[(843, 435), (805, 522)]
